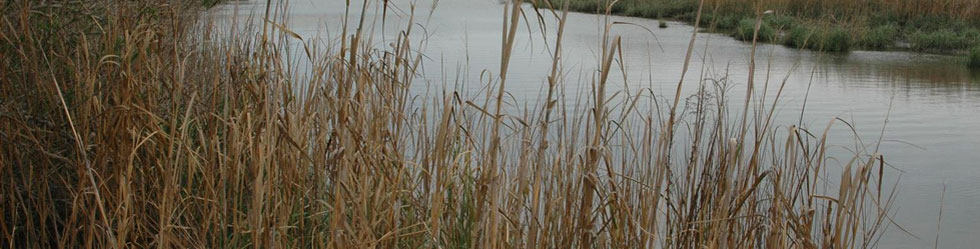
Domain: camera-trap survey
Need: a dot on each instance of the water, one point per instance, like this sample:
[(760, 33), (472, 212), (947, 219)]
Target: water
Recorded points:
[(932, 102)]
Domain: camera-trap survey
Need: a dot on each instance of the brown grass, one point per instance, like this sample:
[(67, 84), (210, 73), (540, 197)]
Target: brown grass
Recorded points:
[(132, 124)]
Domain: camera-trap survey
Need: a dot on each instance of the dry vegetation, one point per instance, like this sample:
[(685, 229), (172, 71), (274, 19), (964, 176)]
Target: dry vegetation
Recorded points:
[(131, 124)]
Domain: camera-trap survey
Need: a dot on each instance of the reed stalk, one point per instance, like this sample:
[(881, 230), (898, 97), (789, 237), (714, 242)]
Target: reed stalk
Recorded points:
[(142, 124)]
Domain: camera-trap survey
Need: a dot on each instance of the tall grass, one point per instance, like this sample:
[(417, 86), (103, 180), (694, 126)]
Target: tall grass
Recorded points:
[(974, 59), (944, 39), (137, 124)]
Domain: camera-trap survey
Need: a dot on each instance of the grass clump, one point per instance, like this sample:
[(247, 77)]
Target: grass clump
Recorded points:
[(781, 22), (746, 30), (837, 39), (944, 39), (798, 37), (721, 23), (880, 37), (974, 58), (822, 38)]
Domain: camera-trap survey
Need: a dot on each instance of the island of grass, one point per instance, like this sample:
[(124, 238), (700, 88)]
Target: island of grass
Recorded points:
[(827, 25)]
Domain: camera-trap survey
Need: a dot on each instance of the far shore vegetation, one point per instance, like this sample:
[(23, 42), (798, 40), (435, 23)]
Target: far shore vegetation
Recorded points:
[(974, 61), (950, 27)]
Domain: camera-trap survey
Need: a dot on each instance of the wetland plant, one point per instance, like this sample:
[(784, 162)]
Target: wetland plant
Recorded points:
[(121, 126)]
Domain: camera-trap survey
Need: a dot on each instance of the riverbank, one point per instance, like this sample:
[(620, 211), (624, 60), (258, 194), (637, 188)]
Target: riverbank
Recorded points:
[(832, 26)]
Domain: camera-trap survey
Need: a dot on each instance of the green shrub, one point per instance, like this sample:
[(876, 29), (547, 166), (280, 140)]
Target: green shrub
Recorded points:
[(746, 30), (838, 39), (798, 37)]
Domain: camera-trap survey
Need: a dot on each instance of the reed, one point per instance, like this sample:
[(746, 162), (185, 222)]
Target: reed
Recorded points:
[(138, 124)]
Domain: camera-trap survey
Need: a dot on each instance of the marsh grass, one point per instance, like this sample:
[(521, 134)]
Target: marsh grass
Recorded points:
[(746, 31), (139, 124), (821, 38), (837, 40), (881, 37), (945, 39), (974, 59), (877, 24)]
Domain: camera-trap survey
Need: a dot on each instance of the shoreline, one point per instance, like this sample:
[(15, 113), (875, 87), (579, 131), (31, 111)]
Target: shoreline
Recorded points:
[(935, 35)]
